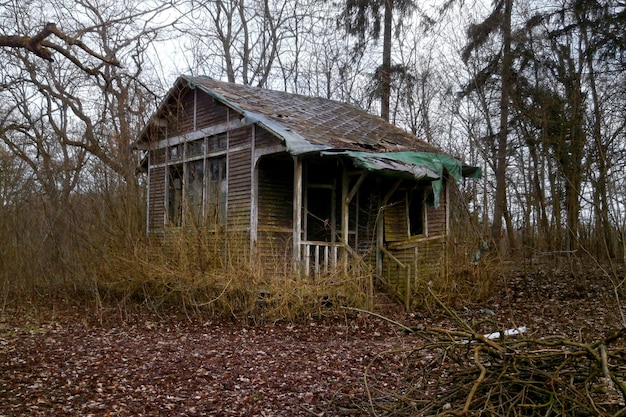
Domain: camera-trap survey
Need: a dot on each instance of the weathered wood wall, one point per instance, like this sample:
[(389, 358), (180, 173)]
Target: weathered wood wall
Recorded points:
[(419, 259), (396, 221), (182, 109), (194, 110), (208, 111), (264, 139), (437, 217), (156, 199), (239, 167), (275, 211)]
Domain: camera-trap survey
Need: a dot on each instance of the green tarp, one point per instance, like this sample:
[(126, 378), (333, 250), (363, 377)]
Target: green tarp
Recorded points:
[(417, 165)]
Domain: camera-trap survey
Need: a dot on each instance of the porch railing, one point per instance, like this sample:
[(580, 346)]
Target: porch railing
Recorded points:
[(321, 257), (397, 276)]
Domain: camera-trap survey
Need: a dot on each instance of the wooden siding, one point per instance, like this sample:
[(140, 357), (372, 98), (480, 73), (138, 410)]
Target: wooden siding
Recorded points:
[(275, 210), (437, 217), (157, 156), (396, 222), (241, 137), (410, 263), (183, 108), (398, 269), (193, 110), (264, 139), (274, 251), (156, 209), (208, 112), (275, 194), (237, 245), (239, 189), (430, 260), (419, 263)]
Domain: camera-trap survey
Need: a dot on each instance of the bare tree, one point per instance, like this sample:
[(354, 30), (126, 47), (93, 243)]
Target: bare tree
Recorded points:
[(245, 37), (499, 19), (70, 114), (104, 100)]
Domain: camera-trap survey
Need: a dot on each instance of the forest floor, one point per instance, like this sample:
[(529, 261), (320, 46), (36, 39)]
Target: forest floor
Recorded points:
[(69, 361)]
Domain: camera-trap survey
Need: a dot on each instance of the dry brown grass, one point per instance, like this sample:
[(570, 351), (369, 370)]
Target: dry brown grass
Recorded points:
[(197, 270), (92, 248)]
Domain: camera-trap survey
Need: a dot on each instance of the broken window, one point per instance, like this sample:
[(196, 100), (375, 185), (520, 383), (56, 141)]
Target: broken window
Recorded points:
[(216, 190), (195, 178), (175, 195), (175, 153), (195, 148), (416, 211), (217, 142), (196, 184), (405, 215)]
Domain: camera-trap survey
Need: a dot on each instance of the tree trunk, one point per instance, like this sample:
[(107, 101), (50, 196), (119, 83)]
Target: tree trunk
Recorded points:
[(603, 227), (501, 155), (386, 68)]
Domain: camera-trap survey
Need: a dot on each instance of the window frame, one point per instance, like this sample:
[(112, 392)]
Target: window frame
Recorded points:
[(180, 158), (416, 207), (406, 205)]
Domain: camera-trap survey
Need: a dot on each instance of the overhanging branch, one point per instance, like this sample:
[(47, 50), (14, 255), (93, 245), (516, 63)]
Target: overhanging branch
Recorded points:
[(43, 48)]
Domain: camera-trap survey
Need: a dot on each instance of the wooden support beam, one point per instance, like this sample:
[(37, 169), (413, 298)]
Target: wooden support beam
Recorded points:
[(254, 195), (356, 187), (345, 215), (297, 210)]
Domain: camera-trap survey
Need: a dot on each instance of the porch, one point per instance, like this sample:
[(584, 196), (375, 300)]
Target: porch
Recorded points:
[(334, 217)]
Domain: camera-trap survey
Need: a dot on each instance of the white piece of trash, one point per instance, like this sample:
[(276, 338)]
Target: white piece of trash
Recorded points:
[(510, 332)]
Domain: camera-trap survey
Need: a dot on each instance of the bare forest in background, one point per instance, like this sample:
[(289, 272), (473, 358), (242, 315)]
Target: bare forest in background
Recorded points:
[(533, 93)]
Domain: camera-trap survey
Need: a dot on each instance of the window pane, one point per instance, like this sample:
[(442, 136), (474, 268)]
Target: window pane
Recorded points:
[(175, 195), (216, 190), (195, 176), (195, 148), (217, 142), (175, 152)]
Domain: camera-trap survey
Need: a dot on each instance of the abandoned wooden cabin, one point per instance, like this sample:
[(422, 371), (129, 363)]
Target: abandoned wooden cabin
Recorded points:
[(307, 181)]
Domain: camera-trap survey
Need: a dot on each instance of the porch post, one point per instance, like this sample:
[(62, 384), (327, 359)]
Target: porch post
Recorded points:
[(380, 228), (297, 210), (149, 190), (345, 216), (380, 233), (254, 204)]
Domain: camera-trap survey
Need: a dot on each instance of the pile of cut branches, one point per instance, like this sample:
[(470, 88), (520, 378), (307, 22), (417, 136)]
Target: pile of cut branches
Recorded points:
[(461, 373)]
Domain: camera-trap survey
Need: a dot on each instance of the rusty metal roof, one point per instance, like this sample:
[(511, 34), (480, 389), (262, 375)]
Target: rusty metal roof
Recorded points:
[(312, 123)]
